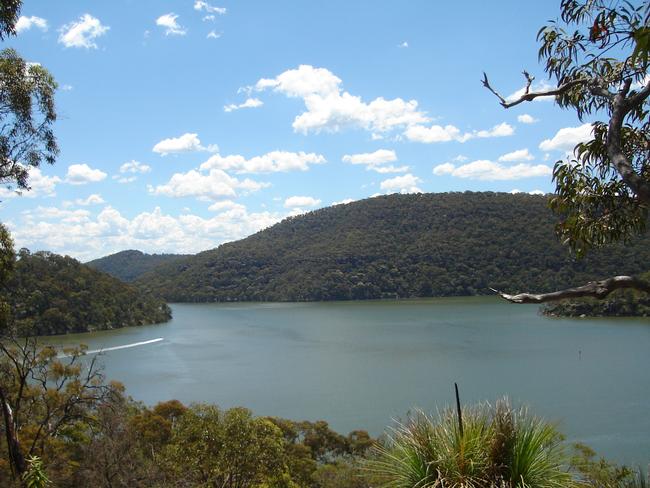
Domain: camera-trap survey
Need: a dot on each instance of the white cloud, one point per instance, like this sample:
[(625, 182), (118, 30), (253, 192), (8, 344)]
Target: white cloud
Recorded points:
[(344, 201), (438, 133), (331, 109), (40, 186), (403, 184), (211, 186), (186, 143), (225, 205), (491, 171), (567, 138), (526, 119), (403, 44), (380, 156), (444, 169), (83, 32), (80, 174), (94, 199), (533, 192), (80, 234), (26, 23), (67, 87), (134, 166), (201, 5), (272, 162), (172, 28), (215, 35), (300, 202), (518, 155), (249, 103), (376, 161)]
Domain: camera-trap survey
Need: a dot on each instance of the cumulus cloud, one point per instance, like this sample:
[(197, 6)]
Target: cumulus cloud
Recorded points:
[(40, 186), (249, 103), (172, 28), (83, 32), (301, 202), (489, 170), (329, 108), (216, 35), (26, 23), (207, 186), (271, 162), (376, 161), (80, 174), (403, 184), (188, 142), (94, 199), (518, 155), (403, 44), (532, 192), (438, 133), (86, 236), (344, 201), (225, 205), (567, 138), (201, 5), (526, 119), (134, 166)]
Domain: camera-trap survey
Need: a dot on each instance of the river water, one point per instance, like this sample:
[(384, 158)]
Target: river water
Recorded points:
[(359, 365)]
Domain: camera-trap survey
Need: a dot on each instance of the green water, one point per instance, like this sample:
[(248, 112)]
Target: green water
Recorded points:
[(361, 364)]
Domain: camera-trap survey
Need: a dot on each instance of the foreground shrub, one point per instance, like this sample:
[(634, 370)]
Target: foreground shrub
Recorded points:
[(497, 447)]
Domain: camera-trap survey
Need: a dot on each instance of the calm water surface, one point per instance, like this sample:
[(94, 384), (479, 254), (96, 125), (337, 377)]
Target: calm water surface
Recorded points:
[(361, 364)]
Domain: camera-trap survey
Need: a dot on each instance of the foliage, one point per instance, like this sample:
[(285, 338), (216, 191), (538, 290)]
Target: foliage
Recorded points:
[(597, 53), (52, 294), (9, 12), (599, 473), (130, 265), (444, 244), (498, 447), (28, 113), (35, 477)]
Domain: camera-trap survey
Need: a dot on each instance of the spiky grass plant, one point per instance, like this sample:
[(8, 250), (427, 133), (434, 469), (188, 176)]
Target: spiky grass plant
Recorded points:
[(498, 447)]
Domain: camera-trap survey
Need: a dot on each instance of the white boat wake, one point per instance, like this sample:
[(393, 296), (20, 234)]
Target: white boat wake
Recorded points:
[(115, 348)]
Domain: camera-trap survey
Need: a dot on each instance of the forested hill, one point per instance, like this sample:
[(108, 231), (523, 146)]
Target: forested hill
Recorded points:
[(52, 294), (398, 245), (129, 265)]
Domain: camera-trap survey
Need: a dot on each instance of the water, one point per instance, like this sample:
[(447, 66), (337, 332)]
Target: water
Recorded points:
[(361, 364)]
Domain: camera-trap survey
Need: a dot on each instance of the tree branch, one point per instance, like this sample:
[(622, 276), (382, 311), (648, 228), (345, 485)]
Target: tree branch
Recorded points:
[(621, 106), (529, 96), (596, 289)]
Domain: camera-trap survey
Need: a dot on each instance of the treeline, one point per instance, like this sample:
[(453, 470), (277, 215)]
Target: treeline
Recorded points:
[(49, 294), (131, 264), (420, 245)]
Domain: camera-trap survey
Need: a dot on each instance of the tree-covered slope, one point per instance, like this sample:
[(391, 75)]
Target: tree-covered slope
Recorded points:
[(52, 294), (129, 265), (397, 245)]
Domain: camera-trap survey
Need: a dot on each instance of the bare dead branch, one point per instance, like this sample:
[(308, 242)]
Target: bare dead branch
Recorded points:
[(596, 289), (529, 96)]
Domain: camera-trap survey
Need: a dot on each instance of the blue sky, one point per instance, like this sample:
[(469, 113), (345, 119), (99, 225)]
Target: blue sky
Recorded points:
[(184, 124)]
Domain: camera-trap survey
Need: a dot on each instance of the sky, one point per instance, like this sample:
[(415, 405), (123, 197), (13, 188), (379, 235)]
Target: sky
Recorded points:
[(184, 124)]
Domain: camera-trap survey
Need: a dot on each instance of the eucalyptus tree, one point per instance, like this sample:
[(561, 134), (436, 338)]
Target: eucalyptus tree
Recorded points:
[(596, 54)]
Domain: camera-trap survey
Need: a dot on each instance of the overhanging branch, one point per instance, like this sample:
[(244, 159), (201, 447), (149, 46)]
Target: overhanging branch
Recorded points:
[(529, 96), (596, 289)]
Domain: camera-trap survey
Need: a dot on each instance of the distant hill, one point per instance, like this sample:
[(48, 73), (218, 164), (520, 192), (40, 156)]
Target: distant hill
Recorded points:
[(129, 265), (51, 294), (395, 246)]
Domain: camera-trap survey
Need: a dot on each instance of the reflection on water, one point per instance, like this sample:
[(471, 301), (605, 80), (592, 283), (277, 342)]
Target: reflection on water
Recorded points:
[(360, 364)]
